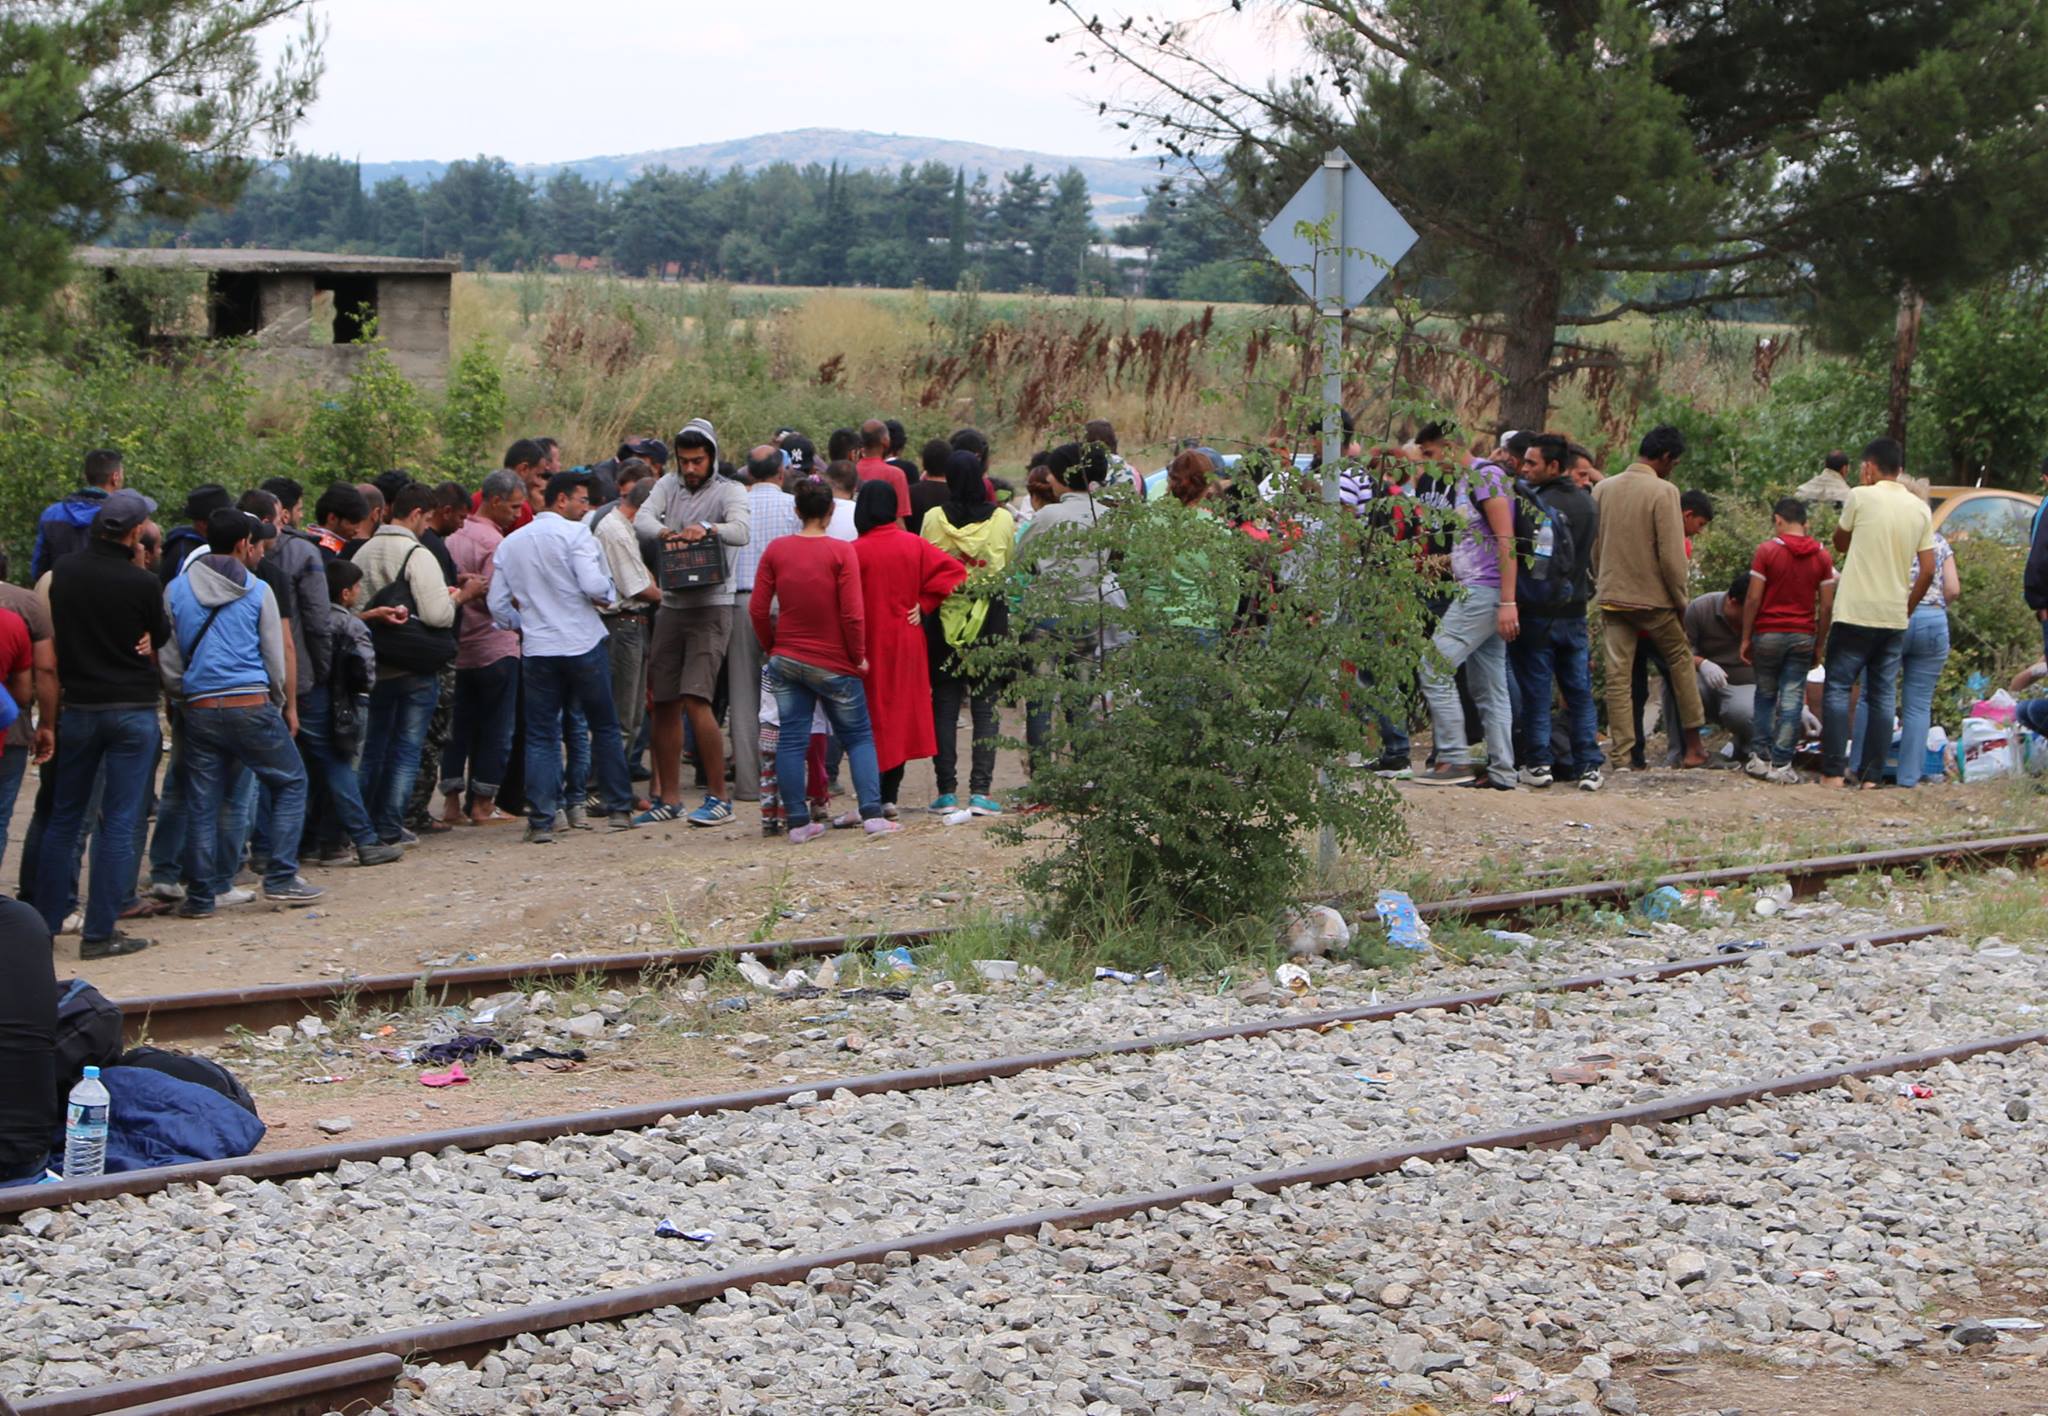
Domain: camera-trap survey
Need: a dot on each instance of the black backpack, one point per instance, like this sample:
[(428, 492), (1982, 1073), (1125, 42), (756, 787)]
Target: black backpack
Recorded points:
[(414, 647), (203, 1071), (88, 1032), (1546, 554)]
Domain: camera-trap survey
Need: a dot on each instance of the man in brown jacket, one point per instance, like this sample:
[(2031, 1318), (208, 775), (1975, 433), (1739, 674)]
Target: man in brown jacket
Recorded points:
[(1639, 569)]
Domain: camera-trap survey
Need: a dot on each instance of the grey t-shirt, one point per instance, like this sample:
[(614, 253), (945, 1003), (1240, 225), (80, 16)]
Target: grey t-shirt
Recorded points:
[(720, 503)]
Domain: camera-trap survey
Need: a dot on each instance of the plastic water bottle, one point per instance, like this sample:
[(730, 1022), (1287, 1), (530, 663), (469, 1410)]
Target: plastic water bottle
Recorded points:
[(85, 1128)]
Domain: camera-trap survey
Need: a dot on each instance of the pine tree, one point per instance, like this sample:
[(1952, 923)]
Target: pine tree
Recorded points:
[(1069, 227), (110, 108), (1571, 164)]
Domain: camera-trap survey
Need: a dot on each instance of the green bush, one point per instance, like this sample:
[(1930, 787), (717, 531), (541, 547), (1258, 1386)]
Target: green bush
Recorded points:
[(1984, 380), (1192, 761), (177, 425), (376, 422), (472, 415)]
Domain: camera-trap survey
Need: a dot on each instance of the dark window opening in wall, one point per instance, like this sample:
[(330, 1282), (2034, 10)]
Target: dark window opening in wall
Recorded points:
[(234, 305), (354, 299)]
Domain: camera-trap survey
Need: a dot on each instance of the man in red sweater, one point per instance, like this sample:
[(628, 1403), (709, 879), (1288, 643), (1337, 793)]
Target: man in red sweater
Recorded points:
[(874, 465), (1791, 599)]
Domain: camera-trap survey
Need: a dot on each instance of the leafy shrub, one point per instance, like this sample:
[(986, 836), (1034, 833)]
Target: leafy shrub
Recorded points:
[(1984, 369), (472, 414), (377, 421), (176, 424), (1199, 729)]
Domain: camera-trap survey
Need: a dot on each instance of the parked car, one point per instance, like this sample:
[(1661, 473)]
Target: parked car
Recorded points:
[(1993, 512)]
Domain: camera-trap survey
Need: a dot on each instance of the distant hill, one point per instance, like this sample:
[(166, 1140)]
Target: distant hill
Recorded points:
[(1117, 184)]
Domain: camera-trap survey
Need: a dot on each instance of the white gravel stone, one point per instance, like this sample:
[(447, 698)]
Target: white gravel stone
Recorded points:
[(1889, 1196)]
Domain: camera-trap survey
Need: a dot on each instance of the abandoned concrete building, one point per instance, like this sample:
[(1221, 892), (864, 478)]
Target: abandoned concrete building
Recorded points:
[(304, 310)]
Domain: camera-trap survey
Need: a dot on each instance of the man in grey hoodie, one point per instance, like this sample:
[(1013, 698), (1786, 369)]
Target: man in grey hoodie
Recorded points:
[(224, 665), (693, 626)]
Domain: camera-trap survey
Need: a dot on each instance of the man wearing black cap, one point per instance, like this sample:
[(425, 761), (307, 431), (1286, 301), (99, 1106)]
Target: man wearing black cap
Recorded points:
[(189, 541), (107, 615)]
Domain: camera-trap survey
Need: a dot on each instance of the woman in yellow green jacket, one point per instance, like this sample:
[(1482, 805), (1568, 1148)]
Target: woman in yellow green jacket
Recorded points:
[(982, 536)]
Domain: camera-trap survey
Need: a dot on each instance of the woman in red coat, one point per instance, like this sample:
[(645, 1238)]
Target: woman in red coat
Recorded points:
[(903, 578)]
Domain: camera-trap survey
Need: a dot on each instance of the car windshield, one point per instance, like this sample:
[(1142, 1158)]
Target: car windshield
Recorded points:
[(2000, 518)]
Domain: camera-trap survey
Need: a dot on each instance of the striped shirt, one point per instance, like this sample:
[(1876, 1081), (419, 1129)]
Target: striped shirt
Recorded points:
[(774, 515)]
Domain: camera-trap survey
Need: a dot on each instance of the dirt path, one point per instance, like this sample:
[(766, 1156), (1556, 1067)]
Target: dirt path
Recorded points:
[(480, 895)]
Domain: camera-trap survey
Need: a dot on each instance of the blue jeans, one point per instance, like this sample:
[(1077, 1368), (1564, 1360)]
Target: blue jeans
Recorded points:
[(1555, 648), (552, 683), (39, 830), (167, 840), (576, 746), (222, 746), (1871, 655), (799, 688), (480, 729), (1920, 664), (400, 710), (13, 766), (332, 770), (125, 740), (1469, 636), (239, 809), (1781, 661)]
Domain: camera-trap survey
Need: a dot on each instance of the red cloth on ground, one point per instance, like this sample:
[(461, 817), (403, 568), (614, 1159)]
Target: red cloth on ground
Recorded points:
[(874, 469), (899, 570), (817, 582)]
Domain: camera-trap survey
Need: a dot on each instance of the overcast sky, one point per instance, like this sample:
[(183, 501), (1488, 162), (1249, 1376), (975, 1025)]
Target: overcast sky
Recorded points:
[(545, 81)]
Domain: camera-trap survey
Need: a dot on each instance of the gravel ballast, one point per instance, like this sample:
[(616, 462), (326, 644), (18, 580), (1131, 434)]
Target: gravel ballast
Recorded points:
[(136, 1286)]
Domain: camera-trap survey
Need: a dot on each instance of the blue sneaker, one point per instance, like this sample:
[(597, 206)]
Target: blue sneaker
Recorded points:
[(943, 803), (984, 806), (713, 812), (658, 812)]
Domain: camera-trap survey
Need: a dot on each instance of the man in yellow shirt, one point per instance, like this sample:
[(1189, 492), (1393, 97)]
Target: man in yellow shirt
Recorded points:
[(1889, 528)]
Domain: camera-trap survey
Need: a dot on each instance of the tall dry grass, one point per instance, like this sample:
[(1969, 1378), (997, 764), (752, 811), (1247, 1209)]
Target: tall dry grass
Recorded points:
[(589, 359)]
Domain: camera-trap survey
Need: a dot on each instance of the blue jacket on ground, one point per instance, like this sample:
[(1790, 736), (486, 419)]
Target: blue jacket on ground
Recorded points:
[(155, 1119), (242, 653), (63, 528)]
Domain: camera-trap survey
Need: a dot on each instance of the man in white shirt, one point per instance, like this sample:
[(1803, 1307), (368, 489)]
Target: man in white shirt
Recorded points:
[(618, 536), (548, 579), (773, 514)]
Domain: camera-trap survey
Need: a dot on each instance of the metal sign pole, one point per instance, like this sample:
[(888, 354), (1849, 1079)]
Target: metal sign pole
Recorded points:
[(1330, 287)]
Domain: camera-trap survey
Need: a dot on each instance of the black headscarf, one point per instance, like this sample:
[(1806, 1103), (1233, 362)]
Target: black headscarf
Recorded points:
[(875, 505), (966, 491)]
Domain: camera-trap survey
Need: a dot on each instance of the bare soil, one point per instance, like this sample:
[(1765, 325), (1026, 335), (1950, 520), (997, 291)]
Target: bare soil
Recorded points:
[(477, 894)]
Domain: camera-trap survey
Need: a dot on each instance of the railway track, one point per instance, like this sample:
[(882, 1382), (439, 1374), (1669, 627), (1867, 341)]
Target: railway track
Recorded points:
[(311, 1160), (186, 1017), (472, 1335), (353, 1374)]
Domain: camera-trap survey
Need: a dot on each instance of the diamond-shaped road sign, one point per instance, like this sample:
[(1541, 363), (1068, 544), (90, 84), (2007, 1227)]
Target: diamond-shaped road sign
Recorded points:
[(1369, 227)]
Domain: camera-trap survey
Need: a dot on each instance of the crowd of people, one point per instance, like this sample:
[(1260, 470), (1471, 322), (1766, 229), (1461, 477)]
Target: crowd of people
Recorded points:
[(560, 644)]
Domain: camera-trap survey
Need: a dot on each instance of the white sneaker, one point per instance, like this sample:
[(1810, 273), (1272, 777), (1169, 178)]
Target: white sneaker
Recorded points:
[(73, 922), (1535, 776), (1592, 782), (1786, 776), (1758, 767), (234, 895), (170, 893)]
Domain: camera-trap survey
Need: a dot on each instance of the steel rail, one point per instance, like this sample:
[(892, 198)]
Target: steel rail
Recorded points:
[(356, 1385), (189, 1016), (467, 1338), (277, 1165)]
